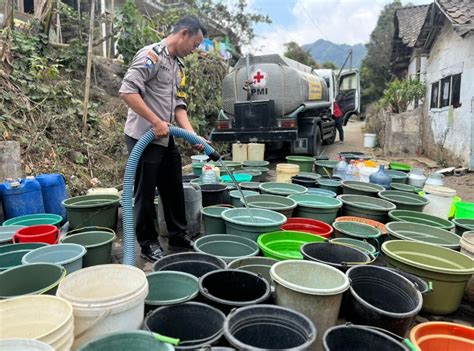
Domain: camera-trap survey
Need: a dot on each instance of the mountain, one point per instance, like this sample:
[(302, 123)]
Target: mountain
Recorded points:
[(324, 50)]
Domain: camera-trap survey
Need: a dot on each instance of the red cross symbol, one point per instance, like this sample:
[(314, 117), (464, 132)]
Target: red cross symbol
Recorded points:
[(258, 77)]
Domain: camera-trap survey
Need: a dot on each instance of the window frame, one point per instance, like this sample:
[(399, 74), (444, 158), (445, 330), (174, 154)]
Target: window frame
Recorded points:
[(452, 100)]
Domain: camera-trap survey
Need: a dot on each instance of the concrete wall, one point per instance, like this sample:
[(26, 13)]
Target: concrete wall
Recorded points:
[(402, 133), (447, 131), (10, 160)]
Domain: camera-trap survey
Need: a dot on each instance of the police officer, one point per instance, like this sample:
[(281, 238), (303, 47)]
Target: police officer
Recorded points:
[(151, 89)]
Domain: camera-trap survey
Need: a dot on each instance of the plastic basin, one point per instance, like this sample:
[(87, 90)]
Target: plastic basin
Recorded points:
[(254, 186), (195, 263), (250, 223), (236, 195), (308, 225), (433, 336), (358, 244), (336, 255), (353, 187), (20, 246), (397, 166), (137, 340), (366, 207), (275, 203), (212, 219), (321, 208), (7, 232), (31, 279), (255, 163), (404, 200), (420, 218), (262, 170), (423, 233), (464, 210), (256, 175), (35, 219), (70, 256), (11, 259), (370, 222), (283, 189), (447, 270), (225, 246), (285, 245), (358, 231), (397, 176), (311, 175), (23, 344), (463, 225), (237, 165), (403, 187), (307, 182), (92, 210), (330, 184), (325, 167), (322, 192), (305, 162)]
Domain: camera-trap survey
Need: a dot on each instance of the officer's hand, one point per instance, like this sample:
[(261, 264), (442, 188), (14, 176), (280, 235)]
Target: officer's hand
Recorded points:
[(200, 147), (160, 128)]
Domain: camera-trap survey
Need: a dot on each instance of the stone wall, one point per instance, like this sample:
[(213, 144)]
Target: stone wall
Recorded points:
[(10, 165)]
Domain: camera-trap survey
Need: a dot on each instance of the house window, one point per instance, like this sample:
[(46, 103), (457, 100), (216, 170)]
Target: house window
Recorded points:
[(446, 92)]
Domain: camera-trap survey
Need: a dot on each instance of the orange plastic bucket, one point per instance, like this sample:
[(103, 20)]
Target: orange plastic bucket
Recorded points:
[(433, 336), (44, 233)]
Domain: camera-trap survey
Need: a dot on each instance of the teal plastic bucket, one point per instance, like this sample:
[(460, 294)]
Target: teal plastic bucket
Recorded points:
[(250, 223), (7, 232), (322, 192), (170, 288), (31, 279), (358, 231), (92, 210), (69, 256), (137, 340), (236, 195), (462, 225), (282, 189), (212, 219), (331, 185), (11, 259), (225, 246), (325, 167), (321, 208), (366, 207), (285, 245), (97, 242), (420, 218), (35, 219), (404, 200), (20, 246), (352, 187), (276, 203)]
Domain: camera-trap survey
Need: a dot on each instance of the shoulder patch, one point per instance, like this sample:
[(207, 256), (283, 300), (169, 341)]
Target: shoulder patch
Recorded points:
[(151, 59)]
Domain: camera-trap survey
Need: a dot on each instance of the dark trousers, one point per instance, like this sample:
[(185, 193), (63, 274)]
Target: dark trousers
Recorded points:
[(159, 167), (339, 121)]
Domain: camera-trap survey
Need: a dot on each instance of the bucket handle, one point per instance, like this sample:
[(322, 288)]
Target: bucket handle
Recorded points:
[(371, 256), (166, 339), (89, 227), (99, 318)]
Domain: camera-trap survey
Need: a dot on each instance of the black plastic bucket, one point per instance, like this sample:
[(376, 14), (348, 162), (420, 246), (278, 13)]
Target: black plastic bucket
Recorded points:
[(269, 327), (214, 194), (194, 323), (419, 283), (230, 288), (358, 337), (339, 256), (381, 298), (194, 263), (188, 177), (304, 181)]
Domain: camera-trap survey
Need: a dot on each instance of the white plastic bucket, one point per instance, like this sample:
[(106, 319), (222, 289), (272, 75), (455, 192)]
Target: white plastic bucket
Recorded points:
[(199, 158), (106, 299), (45, 318), (365, 172), (285, 171), (369, 140), (441, 199), (239, 152), (24, 345), (256, 152)]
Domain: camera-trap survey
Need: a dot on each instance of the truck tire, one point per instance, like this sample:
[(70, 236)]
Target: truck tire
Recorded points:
[(330, 140), (317, 141)]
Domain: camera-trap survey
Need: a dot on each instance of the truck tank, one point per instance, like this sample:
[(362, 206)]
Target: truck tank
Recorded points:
[(273, 77)]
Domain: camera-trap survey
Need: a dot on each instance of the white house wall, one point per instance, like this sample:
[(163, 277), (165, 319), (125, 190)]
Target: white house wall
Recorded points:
[(450, 55)]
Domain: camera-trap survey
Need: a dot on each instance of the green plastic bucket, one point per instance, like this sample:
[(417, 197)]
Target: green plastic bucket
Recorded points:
[(321, 208), (6, 233), (70, 256), (325, 167), (250, 223), (236, 195), (312, 288), (31, 279), (97, 242), (461, 225), (464, 210), (212, 219), (20, 246), (137, 340), (358, 231), (423, 233), (282, 189), (35, 219), (446, 269), (403, 187), (285, 245), (420, 218), (400, 167), (330, 184), (404, 200), (170, 288), (11, 259), (305, 162), (366, 207), (255, 163), (398, 177), (225, 246), (353, 187), (92, 210), (276, 203), (236, 165)]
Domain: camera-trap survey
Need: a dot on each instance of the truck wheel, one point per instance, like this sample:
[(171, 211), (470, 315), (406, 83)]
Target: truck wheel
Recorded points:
[(330, 140), (317, 141)]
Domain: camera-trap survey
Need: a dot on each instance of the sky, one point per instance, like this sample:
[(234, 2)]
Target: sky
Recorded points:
[(306, 21)]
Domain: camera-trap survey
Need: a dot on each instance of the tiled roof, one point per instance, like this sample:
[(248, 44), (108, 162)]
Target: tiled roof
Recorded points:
[(410, 21), (459, 12)]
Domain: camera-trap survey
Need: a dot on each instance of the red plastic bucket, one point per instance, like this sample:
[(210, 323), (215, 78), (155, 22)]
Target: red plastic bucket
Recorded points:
[(308, 225), (44, 233)]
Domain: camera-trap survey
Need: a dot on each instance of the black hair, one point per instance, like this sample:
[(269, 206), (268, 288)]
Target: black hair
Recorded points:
[(192, 24)]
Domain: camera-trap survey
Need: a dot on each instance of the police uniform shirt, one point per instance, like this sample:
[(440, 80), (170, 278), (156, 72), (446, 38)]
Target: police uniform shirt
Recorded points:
[(158, 78)]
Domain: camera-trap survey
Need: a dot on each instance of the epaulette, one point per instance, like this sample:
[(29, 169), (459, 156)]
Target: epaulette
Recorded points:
[(158, 49)]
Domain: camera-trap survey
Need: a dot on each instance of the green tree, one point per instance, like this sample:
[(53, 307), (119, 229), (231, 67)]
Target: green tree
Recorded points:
[(329, 65), (400, 93), (375, 69), (297, 53)]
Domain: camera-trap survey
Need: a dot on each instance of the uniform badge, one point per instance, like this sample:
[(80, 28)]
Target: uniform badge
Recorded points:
[(151, 59)]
